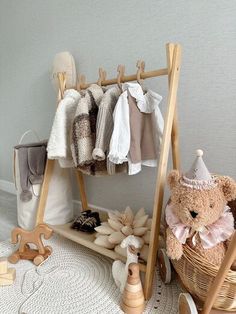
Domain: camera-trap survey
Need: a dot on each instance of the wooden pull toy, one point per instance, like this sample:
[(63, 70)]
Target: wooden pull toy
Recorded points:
[(133, 297), (7, 275), (37, 255)]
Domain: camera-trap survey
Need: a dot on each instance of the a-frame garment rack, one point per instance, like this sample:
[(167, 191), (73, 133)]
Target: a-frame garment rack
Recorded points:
[(170, 136)]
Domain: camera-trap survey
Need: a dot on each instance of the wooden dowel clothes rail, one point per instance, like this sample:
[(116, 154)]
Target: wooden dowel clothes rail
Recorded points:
[(129, 78)]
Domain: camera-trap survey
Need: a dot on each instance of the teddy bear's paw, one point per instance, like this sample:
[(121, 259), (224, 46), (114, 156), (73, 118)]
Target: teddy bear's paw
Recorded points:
[(174, 253)]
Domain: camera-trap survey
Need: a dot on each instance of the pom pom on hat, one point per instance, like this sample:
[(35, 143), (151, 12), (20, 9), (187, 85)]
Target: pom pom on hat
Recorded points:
[(198, 177), (199, 152)]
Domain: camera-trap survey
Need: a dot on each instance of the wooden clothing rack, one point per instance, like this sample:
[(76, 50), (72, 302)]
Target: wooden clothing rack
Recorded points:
[(170, 136)]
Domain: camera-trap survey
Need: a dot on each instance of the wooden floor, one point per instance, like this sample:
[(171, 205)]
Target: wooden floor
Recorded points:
[(8, 214)]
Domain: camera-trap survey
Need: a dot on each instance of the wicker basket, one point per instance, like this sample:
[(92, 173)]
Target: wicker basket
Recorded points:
[(197, 275)]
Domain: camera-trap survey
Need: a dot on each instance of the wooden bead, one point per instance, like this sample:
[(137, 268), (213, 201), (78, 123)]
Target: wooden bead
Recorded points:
[(6, 282), (3, 265), (133, 299), (130, 310), (8, 278), (10, 275)]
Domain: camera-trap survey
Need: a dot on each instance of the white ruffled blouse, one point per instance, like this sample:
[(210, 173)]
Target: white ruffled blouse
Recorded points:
[(121, 136)]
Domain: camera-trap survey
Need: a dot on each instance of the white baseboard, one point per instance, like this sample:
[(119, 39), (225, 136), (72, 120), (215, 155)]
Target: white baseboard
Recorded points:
[(7, 186), (77, 205)]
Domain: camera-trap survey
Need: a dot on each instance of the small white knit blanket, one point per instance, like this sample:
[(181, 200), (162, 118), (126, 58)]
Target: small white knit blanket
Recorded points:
[(73, 279)]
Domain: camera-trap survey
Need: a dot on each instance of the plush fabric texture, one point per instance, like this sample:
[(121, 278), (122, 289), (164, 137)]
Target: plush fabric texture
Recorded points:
[(122, 224), (60, 136), (104, 128), (80, 219), (84, 132), (36, 163), (102, 240), (232, 206), (32, 161), (104, 125), (64, 62), (84, 135), (209, 236), (199, 210)]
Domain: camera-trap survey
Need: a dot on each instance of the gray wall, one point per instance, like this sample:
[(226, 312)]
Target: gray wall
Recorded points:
[(106, 33)]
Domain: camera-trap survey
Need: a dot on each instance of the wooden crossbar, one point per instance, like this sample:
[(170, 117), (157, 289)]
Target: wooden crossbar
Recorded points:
[(129, 78), (170, 136)]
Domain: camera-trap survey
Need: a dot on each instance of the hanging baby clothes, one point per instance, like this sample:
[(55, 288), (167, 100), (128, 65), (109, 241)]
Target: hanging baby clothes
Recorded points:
[(84, 132), (31, 161), (104, 128), (59, 141), (138, 128)]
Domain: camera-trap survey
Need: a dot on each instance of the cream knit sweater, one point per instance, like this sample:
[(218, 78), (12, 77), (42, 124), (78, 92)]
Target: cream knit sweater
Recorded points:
[(104, 126)]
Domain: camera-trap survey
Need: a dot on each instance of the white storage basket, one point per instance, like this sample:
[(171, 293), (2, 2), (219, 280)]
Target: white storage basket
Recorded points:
[(59, 205)]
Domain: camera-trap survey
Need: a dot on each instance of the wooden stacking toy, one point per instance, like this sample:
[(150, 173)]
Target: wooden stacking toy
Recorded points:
[(133, 297), (37, 255), (7, 275)]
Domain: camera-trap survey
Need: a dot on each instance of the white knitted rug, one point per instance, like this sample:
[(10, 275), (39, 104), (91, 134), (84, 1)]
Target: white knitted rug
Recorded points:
[(74, 279)]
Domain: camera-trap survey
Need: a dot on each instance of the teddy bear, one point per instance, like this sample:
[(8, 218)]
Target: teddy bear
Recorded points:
[(232, 205), (197, 213)]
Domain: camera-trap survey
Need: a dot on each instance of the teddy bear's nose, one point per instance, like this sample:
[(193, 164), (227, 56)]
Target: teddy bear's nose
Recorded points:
[(193, 213)]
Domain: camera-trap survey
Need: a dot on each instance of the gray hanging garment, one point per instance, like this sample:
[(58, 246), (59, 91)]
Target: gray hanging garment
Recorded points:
[(32, 159)]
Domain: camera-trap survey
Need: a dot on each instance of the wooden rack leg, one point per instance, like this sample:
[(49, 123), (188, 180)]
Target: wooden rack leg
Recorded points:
[(220, 277), (49, 164), (44, 191), (175, 131), (175, 143), (80, 181), (161, 176)]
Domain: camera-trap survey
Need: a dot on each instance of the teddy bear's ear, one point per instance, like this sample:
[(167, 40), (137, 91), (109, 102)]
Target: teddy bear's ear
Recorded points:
[(228, 186), (173, 178)]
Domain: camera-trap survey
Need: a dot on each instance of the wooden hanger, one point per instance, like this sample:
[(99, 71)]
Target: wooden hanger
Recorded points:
[(81, 82), (62, 84), (121, 74), (102, 76), (141, 67)]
